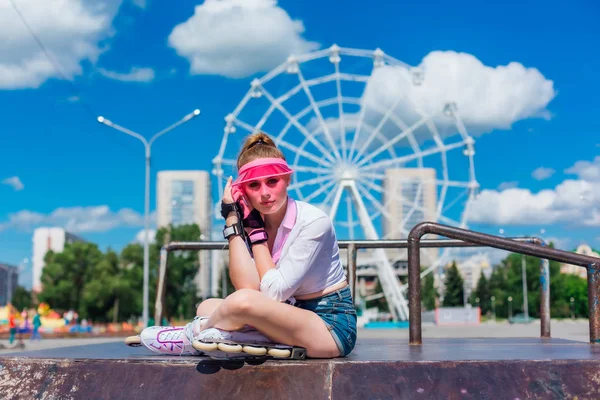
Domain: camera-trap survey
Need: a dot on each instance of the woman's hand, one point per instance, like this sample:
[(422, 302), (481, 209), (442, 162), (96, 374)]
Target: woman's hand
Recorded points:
[(227, 196)]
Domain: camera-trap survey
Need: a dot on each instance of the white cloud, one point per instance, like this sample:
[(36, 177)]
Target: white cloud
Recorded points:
[(573, 201), (542, 173), (71, 31), (75, 219), (559, 242), (237, 38), (136, 74), (508, 185), (14, 182), (586, 170), (139, 237), (486, 97)]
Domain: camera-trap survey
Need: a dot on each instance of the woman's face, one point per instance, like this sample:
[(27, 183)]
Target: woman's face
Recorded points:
[(268, 194)]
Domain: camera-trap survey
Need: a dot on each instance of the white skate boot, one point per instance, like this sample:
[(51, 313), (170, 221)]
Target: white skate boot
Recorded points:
[(246, 343), (172, 340)]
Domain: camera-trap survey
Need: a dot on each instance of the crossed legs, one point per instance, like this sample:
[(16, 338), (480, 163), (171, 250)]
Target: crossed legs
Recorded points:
[(280, 322)]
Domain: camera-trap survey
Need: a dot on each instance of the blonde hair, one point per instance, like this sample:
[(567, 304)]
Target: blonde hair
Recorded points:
[(258, 145)]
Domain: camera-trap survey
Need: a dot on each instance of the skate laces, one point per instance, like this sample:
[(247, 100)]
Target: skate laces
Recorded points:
[(188, 329)]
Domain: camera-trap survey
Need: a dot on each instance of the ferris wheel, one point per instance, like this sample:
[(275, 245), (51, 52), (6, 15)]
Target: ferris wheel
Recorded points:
[(366, 146)]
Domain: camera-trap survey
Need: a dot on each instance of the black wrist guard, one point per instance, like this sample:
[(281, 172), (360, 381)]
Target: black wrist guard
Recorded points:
[(227, 208)]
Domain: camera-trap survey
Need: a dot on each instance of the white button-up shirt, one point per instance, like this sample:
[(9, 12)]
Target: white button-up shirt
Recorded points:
[(306, 254)]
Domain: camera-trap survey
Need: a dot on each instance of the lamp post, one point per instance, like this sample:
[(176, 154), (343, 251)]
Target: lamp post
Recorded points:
[(524, 278), (493, 298), (509, 307), (147, 147), (572, 308), (525, 300)]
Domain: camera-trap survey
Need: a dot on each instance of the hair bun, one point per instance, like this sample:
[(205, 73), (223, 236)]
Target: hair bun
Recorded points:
[(251, 151)]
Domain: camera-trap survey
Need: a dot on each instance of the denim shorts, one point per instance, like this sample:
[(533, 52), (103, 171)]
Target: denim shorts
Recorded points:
[(336, 309)]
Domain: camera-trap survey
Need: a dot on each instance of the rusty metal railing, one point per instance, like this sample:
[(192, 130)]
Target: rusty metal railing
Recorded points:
[(414, 276), (352, 247)]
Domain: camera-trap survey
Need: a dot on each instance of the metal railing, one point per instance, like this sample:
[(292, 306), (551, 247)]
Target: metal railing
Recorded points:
[(414, 276), (352, 247)]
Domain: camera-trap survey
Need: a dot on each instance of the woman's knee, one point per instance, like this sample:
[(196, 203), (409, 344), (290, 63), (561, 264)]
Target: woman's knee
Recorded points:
[(208, 306), (241, 301)]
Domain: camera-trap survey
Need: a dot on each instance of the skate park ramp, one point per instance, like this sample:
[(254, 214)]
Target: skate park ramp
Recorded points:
[(507, 368)]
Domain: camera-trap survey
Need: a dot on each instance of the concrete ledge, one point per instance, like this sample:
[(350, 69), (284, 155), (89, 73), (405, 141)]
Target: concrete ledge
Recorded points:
[(442, 369)]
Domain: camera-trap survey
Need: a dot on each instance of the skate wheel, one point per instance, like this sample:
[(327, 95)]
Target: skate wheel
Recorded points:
[(133, 341), (204, 346), (255, 351), (279, 353), (229, 348)]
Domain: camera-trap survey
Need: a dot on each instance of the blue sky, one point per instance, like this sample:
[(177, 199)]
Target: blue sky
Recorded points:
[(129, 62)]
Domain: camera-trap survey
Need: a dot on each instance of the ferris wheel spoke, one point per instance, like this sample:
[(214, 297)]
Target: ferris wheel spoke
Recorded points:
[(312, 82), (298, 125), (317, 112), (371, 185), (312, 181), (320, 190), (329, 194), (336, 201), (321, 103), (349, 218), (300, 152), (365, 192), (393, 141), (244, 125), (314, 170), (361, 118), (454, 201), (405, 159), (338, 86), (377, 130)]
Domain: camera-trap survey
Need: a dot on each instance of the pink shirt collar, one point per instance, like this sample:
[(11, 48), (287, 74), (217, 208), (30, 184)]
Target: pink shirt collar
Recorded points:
[(289, 220)]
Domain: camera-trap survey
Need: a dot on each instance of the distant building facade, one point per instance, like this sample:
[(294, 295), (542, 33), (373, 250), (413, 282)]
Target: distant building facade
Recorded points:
[(585, 250), (184, 197), (9, 279), (44, 240), (409, 197)]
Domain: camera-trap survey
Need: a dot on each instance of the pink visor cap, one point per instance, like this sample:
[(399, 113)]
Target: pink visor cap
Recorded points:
[(262, 168)]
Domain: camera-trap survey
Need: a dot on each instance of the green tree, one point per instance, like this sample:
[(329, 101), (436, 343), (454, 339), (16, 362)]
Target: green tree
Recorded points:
[(21, 298), (229, 285), (380, 302), (507, 280), (454, 283), (111, 293), (181, 292), (429, 294), (66, 273), (482, 292)]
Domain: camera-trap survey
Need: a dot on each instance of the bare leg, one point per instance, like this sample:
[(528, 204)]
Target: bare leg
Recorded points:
[(207, 307), (280, 322)]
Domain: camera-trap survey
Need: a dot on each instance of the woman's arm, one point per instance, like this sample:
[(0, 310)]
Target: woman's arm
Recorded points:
[(308, 250), (242, 271)]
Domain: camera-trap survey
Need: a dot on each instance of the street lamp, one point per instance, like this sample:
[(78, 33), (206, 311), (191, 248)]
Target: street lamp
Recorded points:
[(525, 299), (148, 147), (493, 298), (509, 307)]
